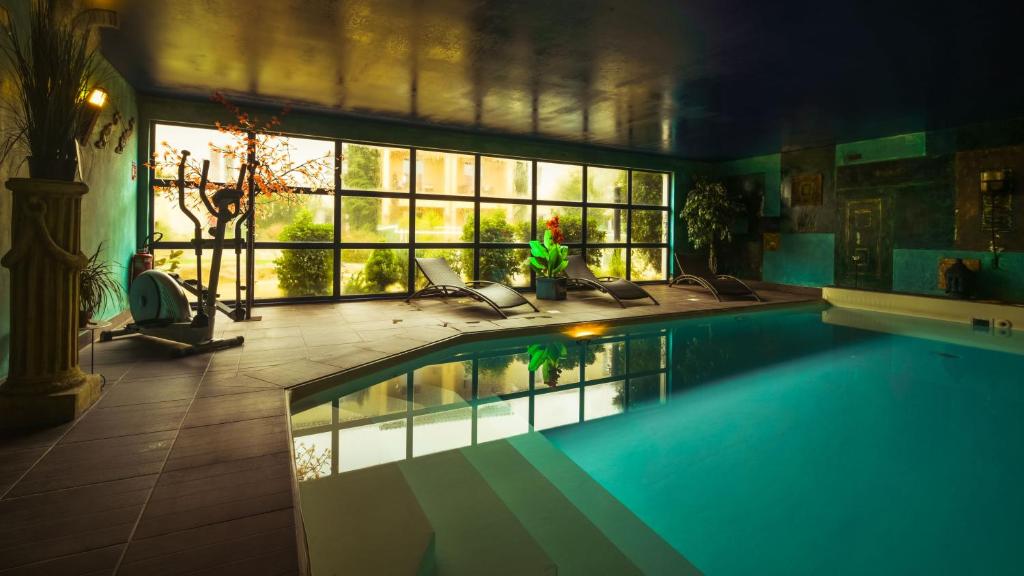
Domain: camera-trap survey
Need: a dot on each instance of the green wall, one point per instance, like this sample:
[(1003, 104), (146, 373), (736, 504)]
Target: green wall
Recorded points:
[(915, 271), (801, 260), (108, 211), (808, 259)]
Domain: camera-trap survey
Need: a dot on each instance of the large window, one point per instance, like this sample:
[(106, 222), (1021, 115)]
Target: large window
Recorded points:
[(387, 204)]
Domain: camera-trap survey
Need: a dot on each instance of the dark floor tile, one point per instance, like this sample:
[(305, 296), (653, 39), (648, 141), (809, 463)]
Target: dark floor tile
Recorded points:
[(47, 526), (84, 463), (211, 545), (128, 420), (14, 463), (207, 445), (236, 407), (100, 561), (193, 497), (223, 383), (130, 392)]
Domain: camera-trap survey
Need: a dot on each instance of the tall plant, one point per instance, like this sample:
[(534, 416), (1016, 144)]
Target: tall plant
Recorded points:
[(549, 258), (53, 68), (709, 213)]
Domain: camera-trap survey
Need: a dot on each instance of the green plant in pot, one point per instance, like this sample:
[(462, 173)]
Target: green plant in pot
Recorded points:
[(549, 258), (709, 212), (97, 287), (52, 64)]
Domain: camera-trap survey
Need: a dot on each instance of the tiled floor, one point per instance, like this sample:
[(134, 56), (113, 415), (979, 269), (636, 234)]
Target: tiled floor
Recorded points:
[(183, 467)]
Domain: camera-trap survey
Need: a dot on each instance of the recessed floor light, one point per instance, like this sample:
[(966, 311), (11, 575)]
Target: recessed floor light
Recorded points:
[(694, 299), (553, 312)]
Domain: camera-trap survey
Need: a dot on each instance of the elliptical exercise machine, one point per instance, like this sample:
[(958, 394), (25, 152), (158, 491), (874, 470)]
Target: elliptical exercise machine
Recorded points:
[(158, 302)]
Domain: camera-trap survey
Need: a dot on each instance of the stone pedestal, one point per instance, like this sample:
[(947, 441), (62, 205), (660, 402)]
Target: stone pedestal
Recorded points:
[(45, 385)]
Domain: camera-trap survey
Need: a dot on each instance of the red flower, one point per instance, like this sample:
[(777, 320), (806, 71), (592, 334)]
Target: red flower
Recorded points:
[(556, 230)]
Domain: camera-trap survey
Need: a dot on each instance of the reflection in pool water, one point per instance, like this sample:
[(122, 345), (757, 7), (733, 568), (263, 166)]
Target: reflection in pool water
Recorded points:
[(480, 393)]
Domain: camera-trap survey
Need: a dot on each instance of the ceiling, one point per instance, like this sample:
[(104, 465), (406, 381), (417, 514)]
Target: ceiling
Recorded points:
[(693, 78)]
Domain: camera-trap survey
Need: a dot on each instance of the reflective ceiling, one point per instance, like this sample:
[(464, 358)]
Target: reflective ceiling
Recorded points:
[(694, 78)]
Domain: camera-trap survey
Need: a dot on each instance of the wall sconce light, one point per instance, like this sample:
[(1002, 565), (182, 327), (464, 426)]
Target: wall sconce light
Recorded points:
[(996, 208), (95, 100)]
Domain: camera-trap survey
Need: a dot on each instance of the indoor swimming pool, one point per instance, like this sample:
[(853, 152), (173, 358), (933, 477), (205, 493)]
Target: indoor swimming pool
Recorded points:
[(770, 442)]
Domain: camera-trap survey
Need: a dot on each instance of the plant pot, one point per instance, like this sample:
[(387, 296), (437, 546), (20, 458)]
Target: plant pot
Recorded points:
[(55, 168), (84, 316), (551, 288)]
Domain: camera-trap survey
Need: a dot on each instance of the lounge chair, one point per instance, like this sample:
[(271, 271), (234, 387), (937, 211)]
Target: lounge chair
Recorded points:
[(718, 284), (443, 281), (579, 274)]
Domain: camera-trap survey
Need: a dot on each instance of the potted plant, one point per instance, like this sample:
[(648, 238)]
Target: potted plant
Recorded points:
[(709, 213), (52, 65), (97, 287), (549, 259)]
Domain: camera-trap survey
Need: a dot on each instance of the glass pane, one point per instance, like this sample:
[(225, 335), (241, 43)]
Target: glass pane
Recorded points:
[(376, 271), (298, 161), (497, 375), (647, 390), (374, 168), (607, 225), (460, 260), (440, 431), (169, 220), (607, 261), (311, 418), (441, 384), (606, 359), (570, 219), (607, 185), (556, 409), (183, 263), (370, 445), (562, 182), (649, 264), (444, 221), (290, 272), (505, 178), (600, 400), (650, 188), (313, 456), (444, 173), (508, 223), (506, 265), (503, 419), (295, 218), (224, 151), (649, 226), (374, 219), (387, 397), (646, 353)]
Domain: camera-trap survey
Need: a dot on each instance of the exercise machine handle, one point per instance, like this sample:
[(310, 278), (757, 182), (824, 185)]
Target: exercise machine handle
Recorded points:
[(203, 181), (181, 195)]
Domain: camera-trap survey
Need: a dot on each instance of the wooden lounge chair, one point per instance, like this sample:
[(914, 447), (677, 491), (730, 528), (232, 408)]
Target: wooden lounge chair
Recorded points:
[(579, 274), (443, 281), (718, 284)]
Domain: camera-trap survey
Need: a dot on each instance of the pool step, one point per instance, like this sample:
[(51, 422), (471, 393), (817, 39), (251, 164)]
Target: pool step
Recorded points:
[(644, 547), (571, 540), (476, 533), (366, 522)]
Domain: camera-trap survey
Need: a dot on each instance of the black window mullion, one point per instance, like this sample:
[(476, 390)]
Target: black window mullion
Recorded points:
[(533, 236), (476, 218), (629, 228), (337, 218), (411, 276), (584, 226)]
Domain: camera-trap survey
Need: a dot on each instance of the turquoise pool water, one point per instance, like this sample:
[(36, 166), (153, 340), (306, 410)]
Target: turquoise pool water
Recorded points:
[(761, 443)]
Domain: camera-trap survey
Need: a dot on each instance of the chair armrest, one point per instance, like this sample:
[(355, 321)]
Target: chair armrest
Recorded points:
[(607, 278), (479, 282)]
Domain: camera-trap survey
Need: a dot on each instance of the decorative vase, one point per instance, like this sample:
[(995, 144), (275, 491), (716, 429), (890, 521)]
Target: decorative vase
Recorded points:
[(45, 385), (959, 280), (551, 288)]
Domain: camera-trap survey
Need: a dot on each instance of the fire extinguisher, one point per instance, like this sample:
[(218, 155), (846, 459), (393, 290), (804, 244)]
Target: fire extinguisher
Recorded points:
[(142, 260)]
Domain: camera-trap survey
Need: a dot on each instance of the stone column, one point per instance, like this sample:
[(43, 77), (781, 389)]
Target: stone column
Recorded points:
[(45, 385)]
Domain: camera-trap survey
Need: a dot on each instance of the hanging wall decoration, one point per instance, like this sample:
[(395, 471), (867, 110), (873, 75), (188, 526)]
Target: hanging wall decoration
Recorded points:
[(807, 189), (122, 141)]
